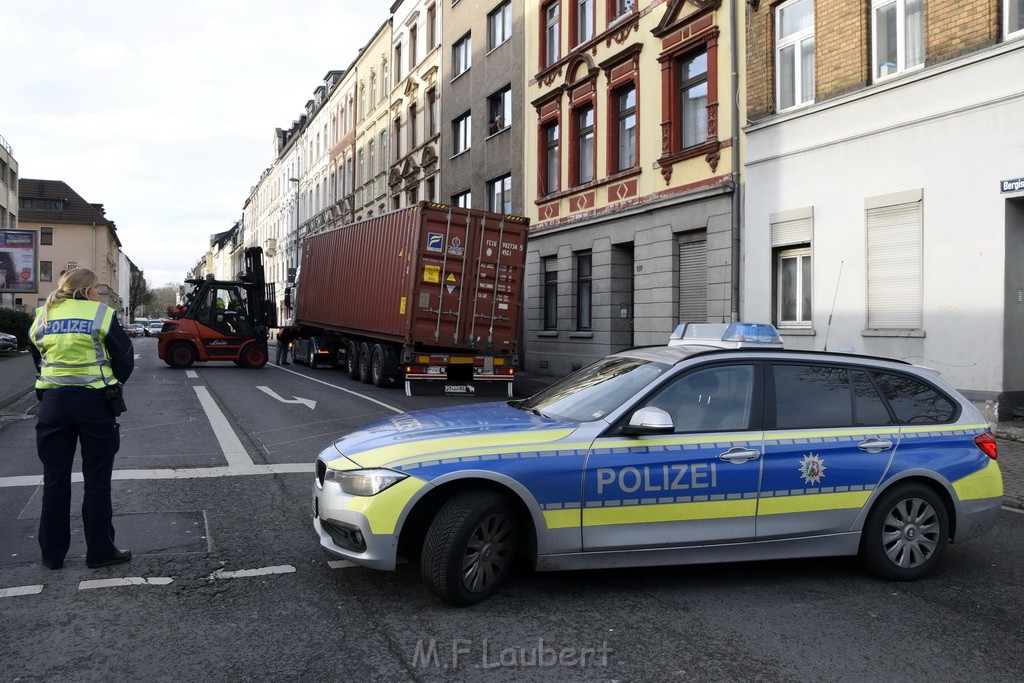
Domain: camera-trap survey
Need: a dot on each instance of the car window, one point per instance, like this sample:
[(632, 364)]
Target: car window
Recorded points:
[(594, 391), (811, 396), (868, 406), (914, 401), (710, 399)]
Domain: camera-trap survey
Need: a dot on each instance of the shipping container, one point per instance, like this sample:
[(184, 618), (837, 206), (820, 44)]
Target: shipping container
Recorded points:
[(430, 296)]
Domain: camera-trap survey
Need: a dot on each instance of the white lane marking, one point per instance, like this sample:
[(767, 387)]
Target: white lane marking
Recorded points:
[(335, 386), (262, 571), (20, 590), (184, 473), (1009, 509), (191, 374), (309, 403), (234, 451), (341, 564), (124, 581)]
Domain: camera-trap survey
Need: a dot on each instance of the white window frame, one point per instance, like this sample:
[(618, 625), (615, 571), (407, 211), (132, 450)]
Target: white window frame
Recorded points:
[(803, 318), (499, 25), (500, 190), (462, 134), (797, 41), (1010, 32), (901, 41), (894, 235), (552, 32), (462, 56)]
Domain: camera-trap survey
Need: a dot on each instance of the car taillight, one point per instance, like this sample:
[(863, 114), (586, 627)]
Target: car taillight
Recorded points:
[(987, 443)]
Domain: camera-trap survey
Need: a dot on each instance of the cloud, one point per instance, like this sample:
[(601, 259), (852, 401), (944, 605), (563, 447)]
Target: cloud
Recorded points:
[(165, 112)]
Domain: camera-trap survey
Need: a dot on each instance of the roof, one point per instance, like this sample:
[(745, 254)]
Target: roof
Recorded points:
[(60, 204)]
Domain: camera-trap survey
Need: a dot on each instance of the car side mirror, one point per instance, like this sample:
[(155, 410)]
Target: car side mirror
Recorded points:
[(649, 420)]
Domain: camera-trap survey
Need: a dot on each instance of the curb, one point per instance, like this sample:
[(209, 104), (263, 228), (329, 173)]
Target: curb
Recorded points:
[(4, 402)]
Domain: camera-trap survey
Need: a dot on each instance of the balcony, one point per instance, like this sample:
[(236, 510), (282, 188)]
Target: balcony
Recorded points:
[(270, 247)]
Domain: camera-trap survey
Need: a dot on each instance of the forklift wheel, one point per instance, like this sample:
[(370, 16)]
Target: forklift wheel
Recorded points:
[(254, 356), (181, 355)]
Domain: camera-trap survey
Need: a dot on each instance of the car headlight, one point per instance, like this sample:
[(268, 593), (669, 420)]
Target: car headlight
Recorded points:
[(364, 482)]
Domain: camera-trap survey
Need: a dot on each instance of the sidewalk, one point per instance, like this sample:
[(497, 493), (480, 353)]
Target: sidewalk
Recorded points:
[(17, 377)]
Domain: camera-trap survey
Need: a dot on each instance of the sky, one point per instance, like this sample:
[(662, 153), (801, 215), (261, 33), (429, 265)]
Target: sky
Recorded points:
[(165, 112)]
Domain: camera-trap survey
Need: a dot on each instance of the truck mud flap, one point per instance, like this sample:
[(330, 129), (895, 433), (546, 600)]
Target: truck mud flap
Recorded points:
[(420, 387)]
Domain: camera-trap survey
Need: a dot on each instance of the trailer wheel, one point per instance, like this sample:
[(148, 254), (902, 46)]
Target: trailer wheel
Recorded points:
[(310, 356), (381, 367), (181, 355), (254, 356), (365, 363), (352, 360)]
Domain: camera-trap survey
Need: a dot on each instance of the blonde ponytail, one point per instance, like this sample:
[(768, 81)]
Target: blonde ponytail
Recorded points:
[(74, 284)]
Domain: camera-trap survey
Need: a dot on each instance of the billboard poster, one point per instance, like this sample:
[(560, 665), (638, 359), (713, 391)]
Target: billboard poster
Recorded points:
[(18, 260)]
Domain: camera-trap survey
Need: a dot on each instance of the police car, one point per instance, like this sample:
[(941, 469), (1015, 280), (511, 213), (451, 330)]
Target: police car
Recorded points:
[(669, 455)]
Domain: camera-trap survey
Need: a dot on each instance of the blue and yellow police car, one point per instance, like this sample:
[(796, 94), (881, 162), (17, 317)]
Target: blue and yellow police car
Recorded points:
[(670, 455)]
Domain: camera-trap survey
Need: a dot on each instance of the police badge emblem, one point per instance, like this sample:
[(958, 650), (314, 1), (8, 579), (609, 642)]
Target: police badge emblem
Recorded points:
[(812, 468)]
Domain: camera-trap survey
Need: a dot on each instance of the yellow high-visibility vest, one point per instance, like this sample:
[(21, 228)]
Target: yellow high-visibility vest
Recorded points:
[(71, 345)]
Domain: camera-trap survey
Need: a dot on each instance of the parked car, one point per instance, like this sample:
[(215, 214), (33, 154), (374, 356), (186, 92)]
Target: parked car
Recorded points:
[(135, 330), (154, 328), (669, 455), (8, 342)]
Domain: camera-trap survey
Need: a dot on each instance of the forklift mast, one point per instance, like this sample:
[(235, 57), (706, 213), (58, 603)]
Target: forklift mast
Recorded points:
[(261, 297)]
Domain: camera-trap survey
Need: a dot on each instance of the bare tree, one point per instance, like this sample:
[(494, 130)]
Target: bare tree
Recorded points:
[(139, 295)]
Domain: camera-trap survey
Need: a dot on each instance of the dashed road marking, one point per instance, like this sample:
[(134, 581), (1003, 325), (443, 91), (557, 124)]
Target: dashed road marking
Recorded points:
[(15, 591), (192, 374), (262, 571), (1017, 510), (124, 581)]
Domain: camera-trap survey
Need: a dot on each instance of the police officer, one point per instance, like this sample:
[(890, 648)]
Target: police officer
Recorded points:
[(82, 357)]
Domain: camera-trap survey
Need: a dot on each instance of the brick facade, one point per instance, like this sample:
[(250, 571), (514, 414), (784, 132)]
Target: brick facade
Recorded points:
[(842, 31)]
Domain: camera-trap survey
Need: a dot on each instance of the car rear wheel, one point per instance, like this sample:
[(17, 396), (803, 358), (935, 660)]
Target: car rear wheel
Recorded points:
[(180, 355), (905, 533), (469, 548)]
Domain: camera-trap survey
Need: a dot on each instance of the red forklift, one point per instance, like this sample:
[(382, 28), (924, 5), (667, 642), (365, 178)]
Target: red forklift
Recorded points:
[(222, 320)]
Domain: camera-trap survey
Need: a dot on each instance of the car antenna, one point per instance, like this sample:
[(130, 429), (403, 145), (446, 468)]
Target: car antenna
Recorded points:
[(835, 295)]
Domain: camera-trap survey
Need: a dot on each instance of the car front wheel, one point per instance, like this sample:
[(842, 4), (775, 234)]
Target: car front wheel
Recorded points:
[(905, 533), (469, 548)]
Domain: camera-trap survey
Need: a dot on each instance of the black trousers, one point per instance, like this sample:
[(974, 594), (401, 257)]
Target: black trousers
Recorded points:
[(68, 416), (282, 351)]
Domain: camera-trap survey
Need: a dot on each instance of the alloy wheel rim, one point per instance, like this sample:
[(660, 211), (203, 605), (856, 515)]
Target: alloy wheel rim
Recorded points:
[(911, 533), (488, 553)]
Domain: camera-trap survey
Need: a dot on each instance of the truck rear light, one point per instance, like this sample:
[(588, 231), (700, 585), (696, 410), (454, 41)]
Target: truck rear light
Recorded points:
[(987, 444), (413, 369)]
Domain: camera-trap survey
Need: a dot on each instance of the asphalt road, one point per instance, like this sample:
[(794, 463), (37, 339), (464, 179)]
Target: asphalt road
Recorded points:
[(229, 582)]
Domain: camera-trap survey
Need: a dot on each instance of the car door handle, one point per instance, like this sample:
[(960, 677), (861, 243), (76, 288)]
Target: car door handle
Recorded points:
[(875, 445), (739, 455)]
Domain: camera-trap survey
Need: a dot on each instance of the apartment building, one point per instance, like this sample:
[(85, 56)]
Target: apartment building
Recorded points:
[(631, 166), (482, 111), (72, 233), (8, 210), (884, 206), (369, 106), (414, 172)]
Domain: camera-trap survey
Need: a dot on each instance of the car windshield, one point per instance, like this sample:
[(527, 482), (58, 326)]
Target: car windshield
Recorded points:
[(594, 391)]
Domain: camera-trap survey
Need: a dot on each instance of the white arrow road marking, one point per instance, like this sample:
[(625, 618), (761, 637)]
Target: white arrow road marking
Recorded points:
[(280, 569), (310, 403), (20, 590), (125, 581)]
